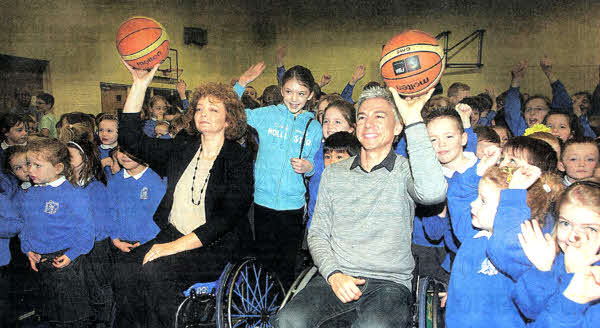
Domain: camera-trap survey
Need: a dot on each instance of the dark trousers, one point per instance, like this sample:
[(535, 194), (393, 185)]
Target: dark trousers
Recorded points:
[(148, 295), (278, 238), (429, 262), (382, 304)]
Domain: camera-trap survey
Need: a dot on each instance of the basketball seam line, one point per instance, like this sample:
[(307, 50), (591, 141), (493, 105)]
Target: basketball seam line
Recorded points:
[(145, 28), (423, 71), (410, 45)]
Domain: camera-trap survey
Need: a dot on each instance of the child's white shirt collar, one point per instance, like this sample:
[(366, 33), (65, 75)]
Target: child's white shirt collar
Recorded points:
[(448, 173), (111, 146), (483, 233), (136, 177), (54, 183), (566, 181)]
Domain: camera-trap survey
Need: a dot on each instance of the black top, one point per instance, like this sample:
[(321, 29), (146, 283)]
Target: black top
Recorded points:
[(229, 191)]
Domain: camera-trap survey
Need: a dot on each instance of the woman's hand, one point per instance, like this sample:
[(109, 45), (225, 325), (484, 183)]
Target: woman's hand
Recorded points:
[(301, 165), (491, 155), (524, 177), (61, 261), (410, 107), (252, 73), (584, 286), (123, 246), (141, 76), (540, 249), (159, 250), (34, 259)]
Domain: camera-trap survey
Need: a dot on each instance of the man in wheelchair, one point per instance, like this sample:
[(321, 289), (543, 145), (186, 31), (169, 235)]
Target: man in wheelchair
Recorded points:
[(360, 237)]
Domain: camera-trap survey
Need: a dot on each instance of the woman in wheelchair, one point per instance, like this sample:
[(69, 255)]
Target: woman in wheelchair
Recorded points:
[(203, 215)]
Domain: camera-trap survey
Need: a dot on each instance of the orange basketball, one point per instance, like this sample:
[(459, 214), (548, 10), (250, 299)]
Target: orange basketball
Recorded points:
[(142, 42), (412, 62)]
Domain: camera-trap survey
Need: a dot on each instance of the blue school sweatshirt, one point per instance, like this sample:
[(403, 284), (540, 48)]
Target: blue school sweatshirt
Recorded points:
[(56, 216), (276, 185), (539, 298), (313, 184), (462, 191), (104, 153), (104, 213), (136, 198), (10, 225), (504, 249), (479, 295)]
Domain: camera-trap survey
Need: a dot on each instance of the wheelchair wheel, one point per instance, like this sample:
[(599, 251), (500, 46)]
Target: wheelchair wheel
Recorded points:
[(252, 295), (299, 284), (430, 313)]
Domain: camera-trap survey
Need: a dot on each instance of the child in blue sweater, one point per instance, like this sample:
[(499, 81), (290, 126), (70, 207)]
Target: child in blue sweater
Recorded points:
[(136, 192), (108, 127), (479, 294), (89, 175), (157, 108), (337, 116), (15, 176), (10, 225), (579, 159), (57, 230), (563, 289)]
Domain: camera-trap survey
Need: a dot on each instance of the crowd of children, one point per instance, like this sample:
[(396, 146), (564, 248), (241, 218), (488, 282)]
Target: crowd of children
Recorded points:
[(517, 239)]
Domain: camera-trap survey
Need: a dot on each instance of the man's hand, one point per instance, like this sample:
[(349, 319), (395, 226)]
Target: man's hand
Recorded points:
[(34, 259), (61, 261), (345, 287), (410, 107), (359, 73)]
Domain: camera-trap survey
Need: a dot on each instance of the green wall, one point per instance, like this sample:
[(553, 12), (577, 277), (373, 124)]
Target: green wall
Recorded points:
[(77, 37)]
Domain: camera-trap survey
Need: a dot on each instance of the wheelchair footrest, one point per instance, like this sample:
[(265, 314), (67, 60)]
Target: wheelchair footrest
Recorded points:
[(202, 288)]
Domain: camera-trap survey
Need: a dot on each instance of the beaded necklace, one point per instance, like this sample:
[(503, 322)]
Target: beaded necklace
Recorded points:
[(194, 181)]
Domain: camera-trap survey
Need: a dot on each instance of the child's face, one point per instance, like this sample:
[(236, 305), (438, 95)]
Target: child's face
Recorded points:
[(574, 223), (334, 121), (510, 158), (484, 208), (17, 134), (159, 109), (18, 166), (41, 170), (108, 132), (76, 159), (559, 126), (42, 106), (161, 130), (503, 133), (334, 157), (126, 162), (535, 111), (295, 95), (579, 161), (250, 92), (447, 140)]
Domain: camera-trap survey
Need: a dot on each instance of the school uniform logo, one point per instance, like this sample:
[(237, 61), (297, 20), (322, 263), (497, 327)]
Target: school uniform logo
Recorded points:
[(144, 193), (488, 268), (51, 207)]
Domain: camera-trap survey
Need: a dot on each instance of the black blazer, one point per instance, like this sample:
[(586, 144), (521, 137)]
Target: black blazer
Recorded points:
[(229, 191)]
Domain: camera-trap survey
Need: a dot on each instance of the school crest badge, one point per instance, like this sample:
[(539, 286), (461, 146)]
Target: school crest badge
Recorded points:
[(488, 268), (144, 193), (51, 207)]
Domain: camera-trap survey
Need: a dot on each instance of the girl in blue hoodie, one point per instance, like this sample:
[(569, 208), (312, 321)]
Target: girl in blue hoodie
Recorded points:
[(289, 137), (563, 289), (479, 293)]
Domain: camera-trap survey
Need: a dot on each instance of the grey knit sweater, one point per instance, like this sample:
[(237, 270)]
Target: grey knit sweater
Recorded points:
[(362, 223)]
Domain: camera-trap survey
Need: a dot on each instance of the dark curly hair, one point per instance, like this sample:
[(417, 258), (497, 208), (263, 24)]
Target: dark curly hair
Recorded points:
[(235, 113)]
